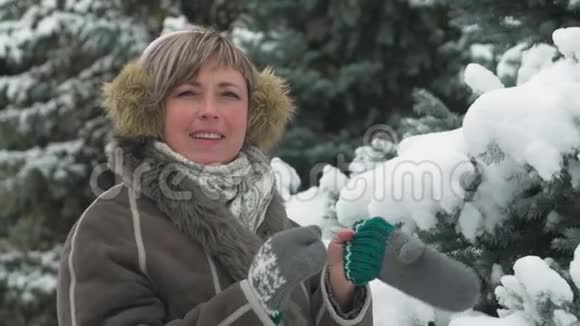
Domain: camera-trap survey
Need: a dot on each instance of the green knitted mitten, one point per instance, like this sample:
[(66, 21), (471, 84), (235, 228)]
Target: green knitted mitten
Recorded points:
[(378, 251), (363, 255)]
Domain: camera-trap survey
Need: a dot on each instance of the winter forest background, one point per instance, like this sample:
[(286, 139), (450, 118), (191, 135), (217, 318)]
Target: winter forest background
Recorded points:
[(457, 120)]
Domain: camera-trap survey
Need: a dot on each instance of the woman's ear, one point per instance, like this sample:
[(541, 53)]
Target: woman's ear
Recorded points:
[(130, 104), (270, 110)]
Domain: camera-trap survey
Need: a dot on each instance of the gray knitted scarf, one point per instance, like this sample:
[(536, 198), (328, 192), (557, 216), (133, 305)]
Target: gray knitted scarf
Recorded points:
[(246, 184)]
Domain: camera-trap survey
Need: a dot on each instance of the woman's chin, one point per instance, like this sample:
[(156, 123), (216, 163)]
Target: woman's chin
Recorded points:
[(210, 159)]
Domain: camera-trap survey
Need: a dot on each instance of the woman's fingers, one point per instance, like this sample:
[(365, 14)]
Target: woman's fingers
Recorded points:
[(342, 288), (335, 248), (344, 235)]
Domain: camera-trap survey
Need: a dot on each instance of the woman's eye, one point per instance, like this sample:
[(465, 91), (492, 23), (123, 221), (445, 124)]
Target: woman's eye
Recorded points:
[(186, 93), (231, 95)]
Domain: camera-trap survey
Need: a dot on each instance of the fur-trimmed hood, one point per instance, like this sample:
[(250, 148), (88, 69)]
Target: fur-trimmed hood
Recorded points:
[(129, 103)]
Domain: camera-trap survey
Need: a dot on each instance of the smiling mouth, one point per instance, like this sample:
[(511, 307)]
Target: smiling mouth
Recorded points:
[(207, 136)]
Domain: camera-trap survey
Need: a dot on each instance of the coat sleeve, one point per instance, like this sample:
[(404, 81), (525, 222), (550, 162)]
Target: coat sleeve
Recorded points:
[(325, 313), (100, 283)]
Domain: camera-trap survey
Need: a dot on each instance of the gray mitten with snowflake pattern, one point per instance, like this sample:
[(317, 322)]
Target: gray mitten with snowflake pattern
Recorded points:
[(283, 262)]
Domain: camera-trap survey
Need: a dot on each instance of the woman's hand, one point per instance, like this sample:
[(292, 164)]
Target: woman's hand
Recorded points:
[(342, 288)]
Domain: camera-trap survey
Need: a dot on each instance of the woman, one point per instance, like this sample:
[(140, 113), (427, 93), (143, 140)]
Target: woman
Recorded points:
[(196, 233)]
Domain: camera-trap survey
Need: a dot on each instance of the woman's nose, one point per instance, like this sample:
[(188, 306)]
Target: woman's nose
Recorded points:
[(208, 109)]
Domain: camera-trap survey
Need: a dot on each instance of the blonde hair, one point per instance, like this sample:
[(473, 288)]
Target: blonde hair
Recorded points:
[(176, 57)]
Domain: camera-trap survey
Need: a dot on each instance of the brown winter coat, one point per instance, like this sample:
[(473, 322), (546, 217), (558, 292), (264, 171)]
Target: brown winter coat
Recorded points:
[(137, 257)]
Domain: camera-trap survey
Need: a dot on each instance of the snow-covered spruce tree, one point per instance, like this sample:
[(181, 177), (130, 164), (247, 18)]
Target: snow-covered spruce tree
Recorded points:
[(367, 156), (503, 186), (330, 184), (504, 22), (536, 294), (431, 115), (531, 167), (219, 14), (353, 65), (287, 180), (525, 201), (491, 27), (54, 57)]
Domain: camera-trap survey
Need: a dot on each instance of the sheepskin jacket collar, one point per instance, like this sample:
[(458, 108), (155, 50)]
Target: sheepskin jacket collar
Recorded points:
[(206, 221)]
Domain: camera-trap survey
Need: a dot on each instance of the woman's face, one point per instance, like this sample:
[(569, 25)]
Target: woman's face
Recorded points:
[(206, 117)]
